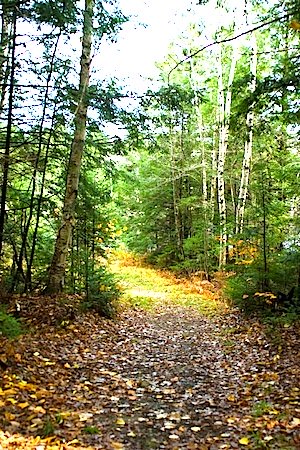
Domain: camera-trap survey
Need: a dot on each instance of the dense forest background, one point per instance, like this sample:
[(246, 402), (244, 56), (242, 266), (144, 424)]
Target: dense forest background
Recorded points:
[(205, 178)]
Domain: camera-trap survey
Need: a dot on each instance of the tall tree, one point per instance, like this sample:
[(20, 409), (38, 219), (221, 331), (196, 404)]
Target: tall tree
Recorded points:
[(245, 174), (224, 108), (6, 156), (63, 240)]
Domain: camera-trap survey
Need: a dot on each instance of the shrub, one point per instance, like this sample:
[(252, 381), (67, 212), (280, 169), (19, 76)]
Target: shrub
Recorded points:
[(102, 293), (243, 290), (9, 326)]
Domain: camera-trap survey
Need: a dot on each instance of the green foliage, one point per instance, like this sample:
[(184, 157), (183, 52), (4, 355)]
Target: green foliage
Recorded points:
[(102, 293), (245, 290), (48, 428), (261, 408), (89, 429), (10, 327)]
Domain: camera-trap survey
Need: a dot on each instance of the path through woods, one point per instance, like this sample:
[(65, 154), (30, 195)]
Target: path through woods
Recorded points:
[(176, 371)]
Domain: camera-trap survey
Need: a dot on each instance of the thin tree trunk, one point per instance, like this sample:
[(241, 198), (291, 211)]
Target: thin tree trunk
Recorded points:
[(8, 131), (224, 115), (265, 281), (213, 183), (176, 198), (63, 241), (28, 283), (4, 52), (34, 177), (246, 168), (207, 229)]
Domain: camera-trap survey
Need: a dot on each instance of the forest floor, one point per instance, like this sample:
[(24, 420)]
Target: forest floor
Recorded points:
[(177, 369)]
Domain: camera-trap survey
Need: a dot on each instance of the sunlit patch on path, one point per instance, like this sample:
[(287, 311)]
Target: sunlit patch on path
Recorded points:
[(149, 288)]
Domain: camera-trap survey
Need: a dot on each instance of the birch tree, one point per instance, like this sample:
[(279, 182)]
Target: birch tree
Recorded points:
[(200, 131), (224, 108), (63, 240), (245, 175)]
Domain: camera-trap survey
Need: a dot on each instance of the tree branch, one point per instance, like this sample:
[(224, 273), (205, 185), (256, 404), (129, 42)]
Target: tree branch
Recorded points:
[(226, 40)]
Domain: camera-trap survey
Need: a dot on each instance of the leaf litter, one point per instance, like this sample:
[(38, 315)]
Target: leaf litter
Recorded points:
[(165, 378)]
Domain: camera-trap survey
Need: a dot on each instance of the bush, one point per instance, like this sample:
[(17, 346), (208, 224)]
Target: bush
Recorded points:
[(9, 326), (243, 290), (102, 293)]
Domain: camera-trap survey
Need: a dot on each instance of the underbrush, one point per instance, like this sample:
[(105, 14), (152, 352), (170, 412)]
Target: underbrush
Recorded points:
[(10, 327), (276, 308), (102, 293)]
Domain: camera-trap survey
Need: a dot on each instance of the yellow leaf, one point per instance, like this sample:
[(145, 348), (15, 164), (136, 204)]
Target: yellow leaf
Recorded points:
[(74, 441), (231, 398), (9, 416), (231, 419), (244, 441), (131, 434), (9, 392), (120, 421), (117, 445), (39, 409), (12, 401), (23, 405)]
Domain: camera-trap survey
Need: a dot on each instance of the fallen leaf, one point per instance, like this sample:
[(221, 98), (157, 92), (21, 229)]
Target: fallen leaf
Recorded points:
[(295, 422), (173, 436), (131, 434), (120, 421), (244, 441), (23, 405), (117, 445), (85, 416)]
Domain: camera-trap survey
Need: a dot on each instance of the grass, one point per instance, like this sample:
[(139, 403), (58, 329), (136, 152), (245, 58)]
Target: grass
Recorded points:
[(89, 429), (149, 288), (261, 408)]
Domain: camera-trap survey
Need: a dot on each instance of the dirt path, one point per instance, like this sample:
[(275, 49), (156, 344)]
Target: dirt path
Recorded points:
[(169, 378)]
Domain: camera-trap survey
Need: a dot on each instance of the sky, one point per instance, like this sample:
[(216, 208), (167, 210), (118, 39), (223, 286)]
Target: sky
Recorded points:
[(144, 40)]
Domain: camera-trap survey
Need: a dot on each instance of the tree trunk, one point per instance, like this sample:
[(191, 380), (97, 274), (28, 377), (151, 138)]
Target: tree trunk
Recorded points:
[(63, 240), (5, 167), (176, 197), (207, 229), (4, 52), (27, 281), (224, 115), (246, 168)]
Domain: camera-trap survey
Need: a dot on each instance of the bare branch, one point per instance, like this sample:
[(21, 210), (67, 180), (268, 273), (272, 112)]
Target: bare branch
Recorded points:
[(221, 41)]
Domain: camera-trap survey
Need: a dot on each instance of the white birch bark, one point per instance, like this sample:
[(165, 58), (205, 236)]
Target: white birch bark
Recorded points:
[(208, 218), (63, 240), (224, 106), (246, 168)]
